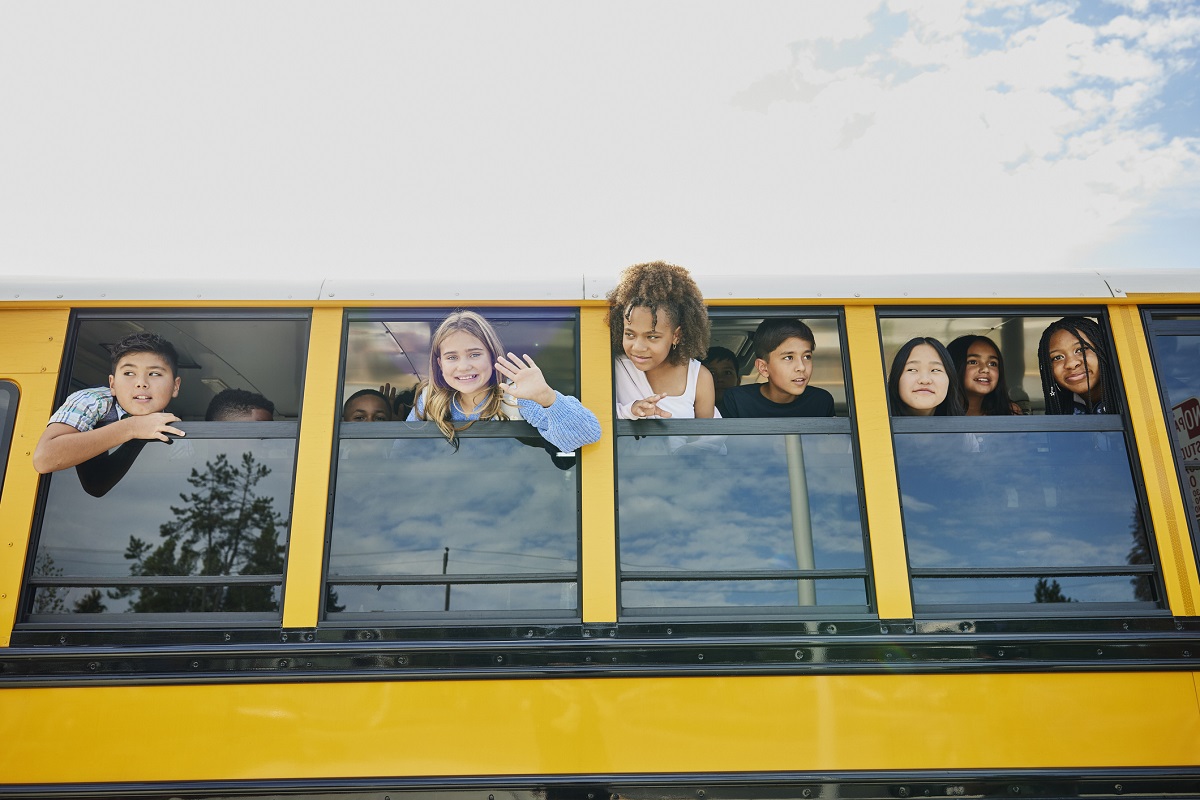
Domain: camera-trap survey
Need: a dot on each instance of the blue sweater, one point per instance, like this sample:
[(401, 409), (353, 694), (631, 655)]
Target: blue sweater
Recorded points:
[(566, 424)]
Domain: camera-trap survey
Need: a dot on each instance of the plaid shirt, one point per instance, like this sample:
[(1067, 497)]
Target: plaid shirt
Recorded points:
[(88, 409)]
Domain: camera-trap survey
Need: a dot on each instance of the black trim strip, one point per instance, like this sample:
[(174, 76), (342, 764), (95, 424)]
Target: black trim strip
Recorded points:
[(986, 783)]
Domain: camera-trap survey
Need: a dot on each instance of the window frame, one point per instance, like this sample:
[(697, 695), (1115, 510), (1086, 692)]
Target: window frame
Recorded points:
[(1154, 327), (461, 622), (151, 626), (7, 424), (1049, 423), (846, 425)]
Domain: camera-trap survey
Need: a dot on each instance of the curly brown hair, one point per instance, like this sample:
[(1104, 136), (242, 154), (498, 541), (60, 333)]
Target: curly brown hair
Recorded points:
[(660, 286)]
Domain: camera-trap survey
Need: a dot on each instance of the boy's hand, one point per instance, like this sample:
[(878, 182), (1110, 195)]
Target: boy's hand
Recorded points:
[(153, 426), (526, 381), (649, 407), (390, 392)]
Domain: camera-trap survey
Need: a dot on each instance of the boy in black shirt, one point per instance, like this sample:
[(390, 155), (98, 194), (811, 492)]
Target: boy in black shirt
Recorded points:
[(784, 350)]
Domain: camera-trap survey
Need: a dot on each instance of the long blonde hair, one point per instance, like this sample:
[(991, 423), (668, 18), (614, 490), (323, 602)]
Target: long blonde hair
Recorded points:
[(439, 397)]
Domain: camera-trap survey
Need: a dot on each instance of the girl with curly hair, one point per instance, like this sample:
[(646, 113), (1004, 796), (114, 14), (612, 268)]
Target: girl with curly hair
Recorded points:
[(659, 328), (464, 359)]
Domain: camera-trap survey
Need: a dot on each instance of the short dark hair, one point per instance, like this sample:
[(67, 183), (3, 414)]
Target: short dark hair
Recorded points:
[(718, 353), (236, 402), (143, 342), (773, 332)]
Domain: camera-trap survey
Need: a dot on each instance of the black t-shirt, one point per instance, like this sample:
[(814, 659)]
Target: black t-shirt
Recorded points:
[(748, 401)]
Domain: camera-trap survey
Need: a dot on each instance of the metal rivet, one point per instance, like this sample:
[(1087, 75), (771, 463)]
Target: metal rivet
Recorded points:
[(668, 631), (908, 629), (282, 663), (195, 664), (1187, 653), (93, 665), (1000, 653), (1099, 651), (883, 628), (228, 637), (499, 659), (402, 661), (700, 656), (799, 655)]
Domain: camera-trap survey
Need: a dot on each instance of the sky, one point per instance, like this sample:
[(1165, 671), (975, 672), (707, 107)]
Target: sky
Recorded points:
[(529, 139)]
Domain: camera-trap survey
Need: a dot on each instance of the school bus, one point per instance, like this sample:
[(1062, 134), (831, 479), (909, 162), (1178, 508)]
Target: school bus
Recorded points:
[(852, 606)]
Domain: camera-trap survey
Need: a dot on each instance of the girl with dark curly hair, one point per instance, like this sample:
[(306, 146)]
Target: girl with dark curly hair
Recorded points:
[(659, 329), (981, 366)]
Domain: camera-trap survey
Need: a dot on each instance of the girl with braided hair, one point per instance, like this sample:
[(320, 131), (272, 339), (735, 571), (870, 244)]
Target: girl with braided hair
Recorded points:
[(659, 332), (1077, 371)]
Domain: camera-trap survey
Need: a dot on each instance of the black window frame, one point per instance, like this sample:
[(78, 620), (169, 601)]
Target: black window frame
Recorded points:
[(1155, 326), (449, 623), (145, 626), (845, 425), (8, 423), (1029, 423)]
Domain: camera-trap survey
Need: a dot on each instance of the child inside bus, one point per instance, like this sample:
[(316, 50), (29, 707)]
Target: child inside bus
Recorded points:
[(981, 366), (464, 359), (367, 405), (659, 331), (923, 381), (722, 364), (783, 350), (1077, 374), (239, 405), (131, 408)]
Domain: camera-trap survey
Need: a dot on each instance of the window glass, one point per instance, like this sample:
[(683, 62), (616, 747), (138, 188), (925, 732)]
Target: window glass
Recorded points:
[(489, 529), (199, 525), (747, 515), (731, 527), (1033, 517), (1005, 512), (9, 394)]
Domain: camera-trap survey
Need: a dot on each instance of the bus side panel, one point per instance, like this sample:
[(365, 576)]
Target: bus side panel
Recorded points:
[(598, 726), (31, 355)]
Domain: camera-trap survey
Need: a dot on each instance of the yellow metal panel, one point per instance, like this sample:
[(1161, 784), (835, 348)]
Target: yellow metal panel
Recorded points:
[(889, 559), (1156, 454), (599, 554), (31, 355), (302, 585), (597, 726)]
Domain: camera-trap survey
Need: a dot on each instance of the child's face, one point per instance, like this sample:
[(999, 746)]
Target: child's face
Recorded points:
[(367, 408), (724, 372), (981, 371), (923, 383), (1074, 365), (466, 363), (143, 383), (646, 344), (787, 369)]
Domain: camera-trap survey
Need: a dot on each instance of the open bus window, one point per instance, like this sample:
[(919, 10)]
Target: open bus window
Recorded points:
[(195, 526), (1016, 513), (9, 394), (422, 530), (727, 517), (736, 334), (1175, 346)]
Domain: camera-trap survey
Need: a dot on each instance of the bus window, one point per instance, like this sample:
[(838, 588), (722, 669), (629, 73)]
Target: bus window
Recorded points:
[(1175, 345), (9, 394), (421, 529), (193, 527), (1008, 512), (739, 516)]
